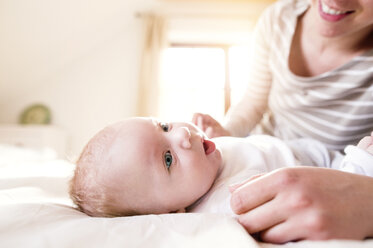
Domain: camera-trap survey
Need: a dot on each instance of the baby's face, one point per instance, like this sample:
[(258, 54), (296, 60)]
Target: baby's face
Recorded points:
[(160, 167)]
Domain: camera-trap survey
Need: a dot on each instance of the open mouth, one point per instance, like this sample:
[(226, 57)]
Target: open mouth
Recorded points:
[(331, 14), (208, 146)]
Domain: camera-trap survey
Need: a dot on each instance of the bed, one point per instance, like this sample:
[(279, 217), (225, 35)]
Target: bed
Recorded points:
[(35, 211)]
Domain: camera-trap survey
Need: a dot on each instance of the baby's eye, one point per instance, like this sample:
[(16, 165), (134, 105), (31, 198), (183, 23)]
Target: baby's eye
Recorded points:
[(168, 159), (165, 127)]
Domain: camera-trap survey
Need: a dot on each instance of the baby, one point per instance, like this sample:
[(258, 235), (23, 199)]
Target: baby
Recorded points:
[(143, 166)]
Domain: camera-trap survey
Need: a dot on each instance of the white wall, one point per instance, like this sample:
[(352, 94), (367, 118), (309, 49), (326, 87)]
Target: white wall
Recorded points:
[(79, 57)]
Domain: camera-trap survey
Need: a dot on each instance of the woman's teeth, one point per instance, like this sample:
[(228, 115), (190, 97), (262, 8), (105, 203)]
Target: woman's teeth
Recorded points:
[(326, 9)]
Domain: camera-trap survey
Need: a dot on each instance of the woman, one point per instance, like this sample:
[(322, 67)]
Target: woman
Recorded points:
[(311, 76)]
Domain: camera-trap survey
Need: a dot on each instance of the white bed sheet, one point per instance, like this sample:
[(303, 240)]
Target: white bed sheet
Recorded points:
[(35, 211)]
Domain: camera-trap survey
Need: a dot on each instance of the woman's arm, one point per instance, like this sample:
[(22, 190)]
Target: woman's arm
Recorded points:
[(305, 203), (244, 115)]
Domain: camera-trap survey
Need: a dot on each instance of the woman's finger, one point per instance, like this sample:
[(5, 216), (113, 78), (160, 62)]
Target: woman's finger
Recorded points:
[(194, 118), (209, 132), (365, 142), (200, 123), (253, 193), (282, 233), (197, 119), (233, 187), (263, 217)]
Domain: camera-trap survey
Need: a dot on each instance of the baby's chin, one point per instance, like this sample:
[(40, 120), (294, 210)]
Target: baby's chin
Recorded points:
[(218, 159), (216, 163)]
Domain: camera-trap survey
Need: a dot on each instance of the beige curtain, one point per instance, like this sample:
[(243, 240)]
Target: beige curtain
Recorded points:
[(150, 72)]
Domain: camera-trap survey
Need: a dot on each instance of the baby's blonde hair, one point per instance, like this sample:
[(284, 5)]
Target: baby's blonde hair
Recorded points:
[(86, 189)]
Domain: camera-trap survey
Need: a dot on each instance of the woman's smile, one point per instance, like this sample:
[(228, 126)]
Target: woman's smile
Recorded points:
[(332, 14)]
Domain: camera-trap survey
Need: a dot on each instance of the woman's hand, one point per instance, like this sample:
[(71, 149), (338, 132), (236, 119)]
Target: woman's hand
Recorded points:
[(299, 203), (209, 125), (367, 143)]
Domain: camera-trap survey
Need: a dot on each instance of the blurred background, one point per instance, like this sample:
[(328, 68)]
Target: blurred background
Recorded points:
[(92, 63)]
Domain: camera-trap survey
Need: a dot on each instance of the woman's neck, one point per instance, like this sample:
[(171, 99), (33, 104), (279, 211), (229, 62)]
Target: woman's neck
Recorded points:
[(312, 53), (349, 43)]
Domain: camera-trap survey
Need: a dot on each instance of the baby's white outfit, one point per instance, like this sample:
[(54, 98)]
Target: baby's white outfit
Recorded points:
[(246, 157)]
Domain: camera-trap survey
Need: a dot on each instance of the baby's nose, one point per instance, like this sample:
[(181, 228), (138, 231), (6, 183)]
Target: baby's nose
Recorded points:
[(183, 135)]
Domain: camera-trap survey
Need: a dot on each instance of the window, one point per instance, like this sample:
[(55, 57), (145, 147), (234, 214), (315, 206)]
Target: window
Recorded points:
[(202, 78)]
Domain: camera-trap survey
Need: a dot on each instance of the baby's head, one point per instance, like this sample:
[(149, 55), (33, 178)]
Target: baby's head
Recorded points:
[(143, 166)]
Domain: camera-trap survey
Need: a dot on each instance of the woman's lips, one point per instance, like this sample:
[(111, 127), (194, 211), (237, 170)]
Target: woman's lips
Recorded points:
[(208, 146), (332, 17)]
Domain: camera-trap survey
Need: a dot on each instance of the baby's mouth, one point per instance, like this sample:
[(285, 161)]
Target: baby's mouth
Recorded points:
[(208, 146)]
